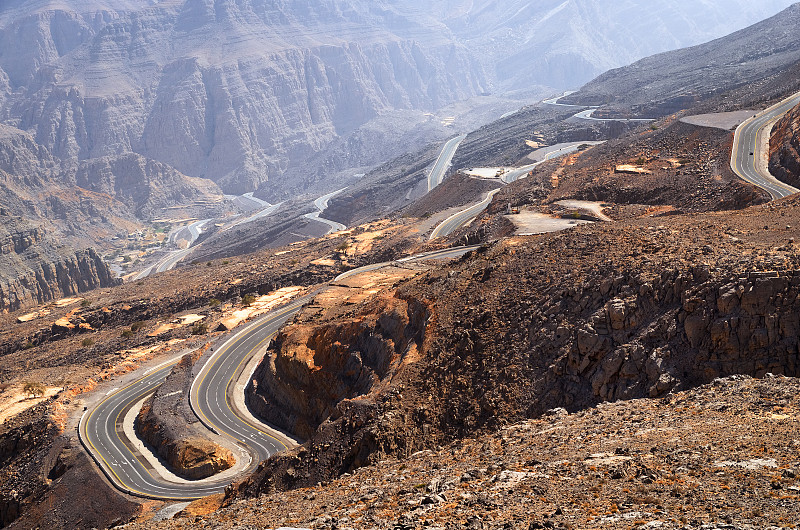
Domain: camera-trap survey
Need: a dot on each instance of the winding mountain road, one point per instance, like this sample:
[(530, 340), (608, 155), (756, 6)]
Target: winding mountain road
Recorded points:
[(212, 398), (320, 204), (750, 155), (586, 114), (172, 258), (457, 220), (102, 433), (439, 169), (452, 223)]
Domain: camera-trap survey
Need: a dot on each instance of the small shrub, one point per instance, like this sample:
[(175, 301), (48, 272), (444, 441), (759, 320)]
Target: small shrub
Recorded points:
[(87, 342), (226, 262), (640, 161), (28, 345), (295, 262), (208, 264), (654, 127), (201, 328), (136, 326), (126, 333), (127, 259), (214, 302), (248, 300), (33, 389), (85, 303), (343, 247)]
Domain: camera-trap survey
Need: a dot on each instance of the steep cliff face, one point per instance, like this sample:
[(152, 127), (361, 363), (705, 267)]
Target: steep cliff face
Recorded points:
[(310, 368), (34, 269), (88, 200), (233, 91), (784, 149)]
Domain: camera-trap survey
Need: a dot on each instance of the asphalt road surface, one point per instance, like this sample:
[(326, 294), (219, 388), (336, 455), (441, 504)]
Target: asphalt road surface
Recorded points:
[(320, 204), (455, 221), (555, 103), (439, 170), (587, 115), (452, 223), (747, 151), (172, 258), (101, 428)]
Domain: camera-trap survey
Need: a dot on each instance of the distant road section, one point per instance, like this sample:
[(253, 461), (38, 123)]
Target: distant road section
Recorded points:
[(555, 103), (587, 115), (452, 223), (549, 153), (750, 155), (172, 258), (320, 204), (439, 170)]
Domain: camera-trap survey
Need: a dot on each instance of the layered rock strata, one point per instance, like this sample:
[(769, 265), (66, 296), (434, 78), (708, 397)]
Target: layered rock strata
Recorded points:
[(310, 369), (35, 270)]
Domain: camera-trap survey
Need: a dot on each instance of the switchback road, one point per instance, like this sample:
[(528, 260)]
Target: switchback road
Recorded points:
[(320, 204), (213, 401), (749, 158)]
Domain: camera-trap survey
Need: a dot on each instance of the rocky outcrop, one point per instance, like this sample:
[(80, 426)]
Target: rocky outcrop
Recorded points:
[(784, 149), (34, 270), (310, 369), (168, 425), (606, 312)]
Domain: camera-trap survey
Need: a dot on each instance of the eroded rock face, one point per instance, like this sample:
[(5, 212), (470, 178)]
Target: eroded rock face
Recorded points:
[(232, 91), (166, 425), (34, 270), (784, 149), (310, 369)]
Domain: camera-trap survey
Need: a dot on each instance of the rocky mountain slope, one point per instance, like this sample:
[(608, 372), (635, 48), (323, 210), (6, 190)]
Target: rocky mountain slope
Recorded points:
[(53, 209), (37, 269), (717, 457), (604, 312), (784, 148), (285, 97), (235, 92), (564, 44), (668, 82)]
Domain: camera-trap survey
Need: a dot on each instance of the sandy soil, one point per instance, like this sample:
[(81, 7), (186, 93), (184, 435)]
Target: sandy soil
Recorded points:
[(529, 223), (14, 401)]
